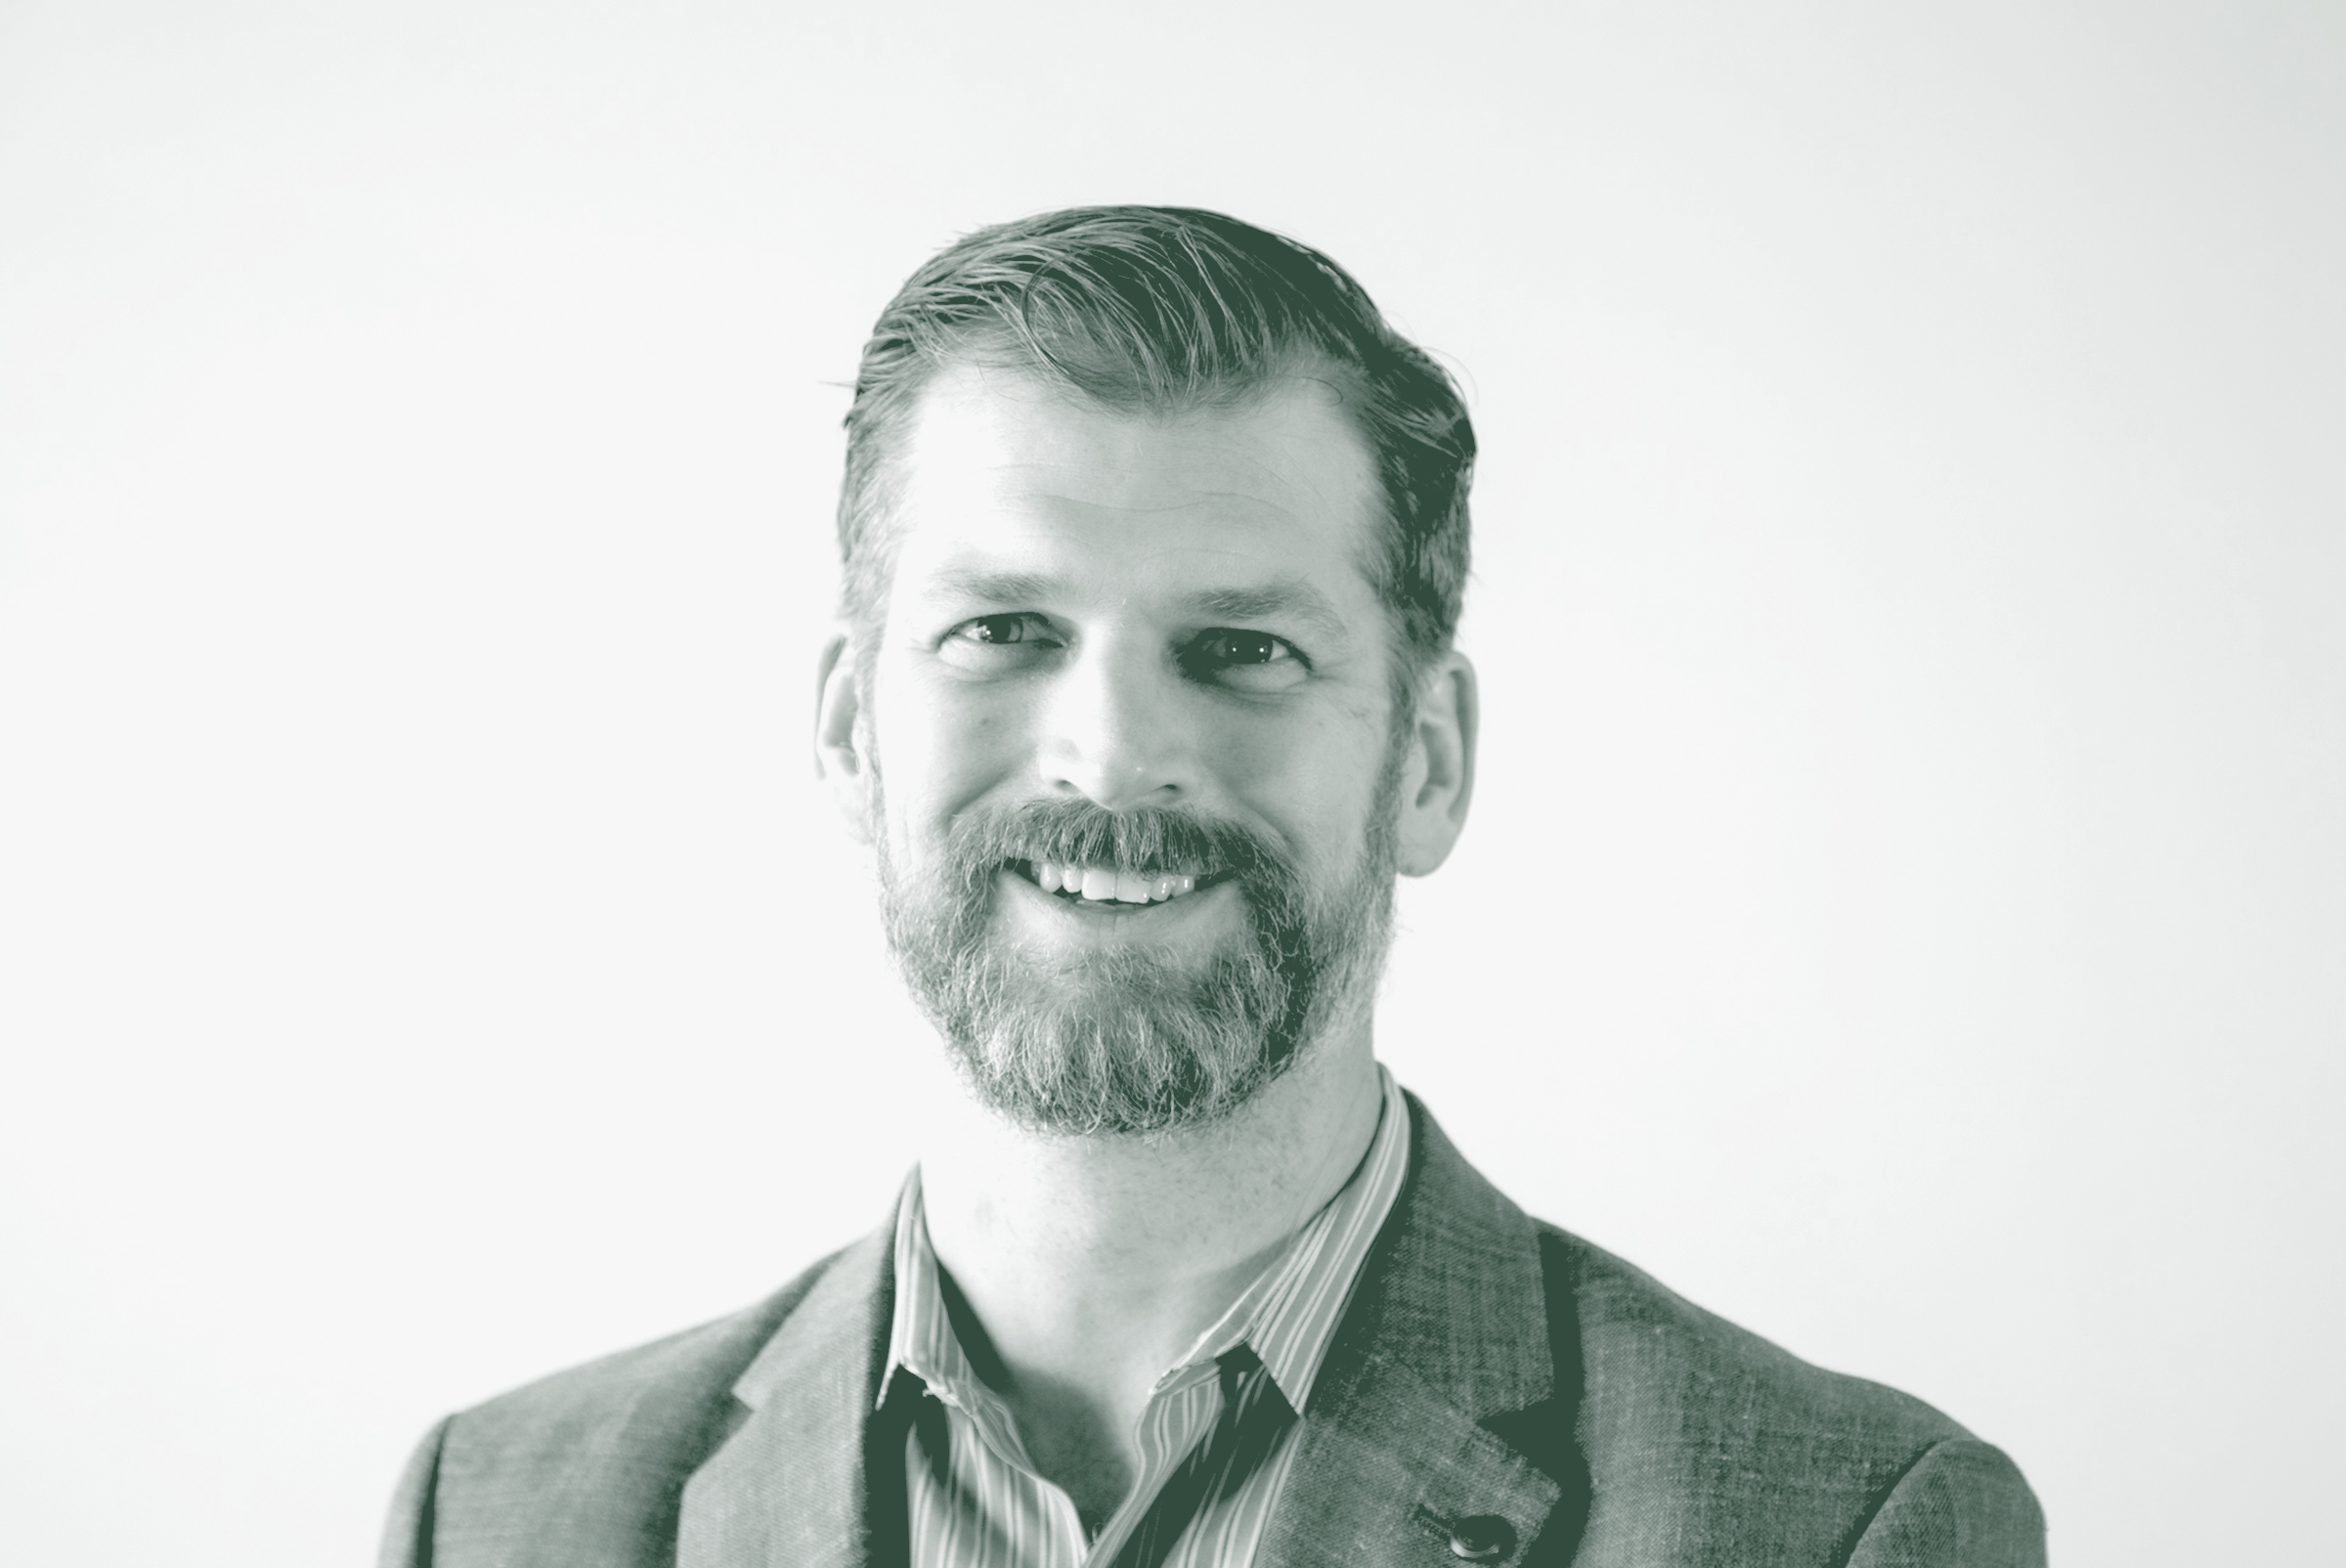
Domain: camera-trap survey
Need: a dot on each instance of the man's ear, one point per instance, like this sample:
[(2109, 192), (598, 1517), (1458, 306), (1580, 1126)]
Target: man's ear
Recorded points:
[(1437, 781), (840, 759)]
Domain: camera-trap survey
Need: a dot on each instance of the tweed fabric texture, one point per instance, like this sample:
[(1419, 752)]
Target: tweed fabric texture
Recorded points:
[(1494, 1380)]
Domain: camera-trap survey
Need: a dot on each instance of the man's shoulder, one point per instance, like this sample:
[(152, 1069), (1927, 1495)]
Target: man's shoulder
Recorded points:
[(1720, 1439), (587, 1465), (692, 1364), (1639, 1353), (1648, 1349), (1683, 1435)]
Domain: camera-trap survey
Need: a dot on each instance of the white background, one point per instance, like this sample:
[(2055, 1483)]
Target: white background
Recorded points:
[(1906, 903)]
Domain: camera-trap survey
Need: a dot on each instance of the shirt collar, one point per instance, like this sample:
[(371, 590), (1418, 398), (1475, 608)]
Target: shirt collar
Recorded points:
[(1287, 1316)]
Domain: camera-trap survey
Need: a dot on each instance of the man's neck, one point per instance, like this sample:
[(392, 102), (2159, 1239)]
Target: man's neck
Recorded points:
[(1091, 1264)]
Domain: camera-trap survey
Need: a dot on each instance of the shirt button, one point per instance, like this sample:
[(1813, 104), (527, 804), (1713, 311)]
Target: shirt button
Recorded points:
[(1481, 1538)]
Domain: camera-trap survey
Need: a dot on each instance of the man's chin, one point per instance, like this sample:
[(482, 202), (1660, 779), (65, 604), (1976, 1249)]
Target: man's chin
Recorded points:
[(1057, 1105), (1105, 1045), (1072, 1019)]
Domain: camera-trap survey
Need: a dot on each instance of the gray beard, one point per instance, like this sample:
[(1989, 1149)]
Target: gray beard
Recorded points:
[(1126, 1041)]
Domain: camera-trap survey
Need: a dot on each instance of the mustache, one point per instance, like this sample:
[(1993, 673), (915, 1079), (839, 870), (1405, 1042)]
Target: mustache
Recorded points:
[(1150, 841)]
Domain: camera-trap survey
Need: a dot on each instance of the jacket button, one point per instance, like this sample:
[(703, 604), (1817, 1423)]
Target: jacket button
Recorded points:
[(1481, 1538)]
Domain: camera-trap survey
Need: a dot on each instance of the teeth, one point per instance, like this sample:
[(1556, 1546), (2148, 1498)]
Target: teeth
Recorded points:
[(1108, 885)]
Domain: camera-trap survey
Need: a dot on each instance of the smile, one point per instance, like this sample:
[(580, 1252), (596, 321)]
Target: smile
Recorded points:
[(1103, 884)]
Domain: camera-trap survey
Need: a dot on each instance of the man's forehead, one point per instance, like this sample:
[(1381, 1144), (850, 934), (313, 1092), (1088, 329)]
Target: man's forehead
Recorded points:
[(998, 465)]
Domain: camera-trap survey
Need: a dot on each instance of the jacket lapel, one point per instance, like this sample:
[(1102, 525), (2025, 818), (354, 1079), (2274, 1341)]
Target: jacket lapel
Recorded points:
[(1443, 1354), (789, 1488), (1444, 1348)]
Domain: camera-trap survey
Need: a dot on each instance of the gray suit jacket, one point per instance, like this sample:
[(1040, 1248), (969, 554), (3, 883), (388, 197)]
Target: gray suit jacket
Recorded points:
[(1495, 1378)]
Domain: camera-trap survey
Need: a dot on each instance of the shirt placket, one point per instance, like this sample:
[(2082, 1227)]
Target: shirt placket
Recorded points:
[(1050, 1510), (1181, 1410)]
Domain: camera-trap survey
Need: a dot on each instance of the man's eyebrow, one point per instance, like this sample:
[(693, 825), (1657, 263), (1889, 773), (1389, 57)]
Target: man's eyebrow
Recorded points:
[(992, 588), (1293, 597)]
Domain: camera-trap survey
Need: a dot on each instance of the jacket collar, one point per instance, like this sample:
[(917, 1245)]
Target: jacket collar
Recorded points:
[(1444, 1348)]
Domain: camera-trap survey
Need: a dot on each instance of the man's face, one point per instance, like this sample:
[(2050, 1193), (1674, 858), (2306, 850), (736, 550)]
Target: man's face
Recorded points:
[(1126, 733)]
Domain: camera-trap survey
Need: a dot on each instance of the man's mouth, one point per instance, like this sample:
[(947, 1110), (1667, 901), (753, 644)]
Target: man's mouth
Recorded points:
[(1104, 885)]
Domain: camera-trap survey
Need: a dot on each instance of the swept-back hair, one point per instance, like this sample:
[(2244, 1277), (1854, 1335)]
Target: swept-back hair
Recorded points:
[(1162, 309)]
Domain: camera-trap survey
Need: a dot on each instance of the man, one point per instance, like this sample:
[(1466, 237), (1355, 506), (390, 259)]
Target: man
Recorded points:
[(1153, 539)]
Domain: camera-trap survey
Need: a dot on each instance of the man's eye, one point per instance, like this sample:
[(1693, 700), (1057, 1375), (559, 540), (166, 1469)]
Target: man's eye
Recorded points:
[(995, 629), (999, 642), (1000, 629), (1255, 661), (1245, 647)]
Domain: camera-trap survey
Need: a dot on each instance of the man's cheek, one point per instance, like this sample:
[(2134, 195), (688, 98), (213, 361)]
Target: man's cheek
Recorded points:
[(963, 741)]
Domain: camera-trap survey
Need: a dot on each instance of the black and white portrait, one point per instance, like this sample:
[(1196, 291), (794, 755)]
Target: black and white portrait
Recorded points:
[(1230, 786)]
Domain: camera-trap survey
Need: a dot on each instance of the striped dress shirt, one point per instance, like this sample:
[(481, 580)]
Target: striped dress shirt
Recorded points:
[(1216, 1439)]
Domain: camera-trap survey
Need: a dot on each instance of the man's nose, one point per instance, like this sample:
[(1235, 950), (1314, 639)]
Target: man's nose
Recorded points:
[(1119, 729)]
